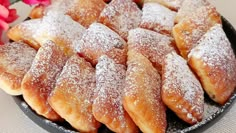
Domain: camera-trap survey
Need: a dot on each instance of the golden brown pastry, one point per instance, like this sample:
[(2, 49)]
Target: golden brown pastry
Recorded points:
[(16, 59), (107, 106), (192, 28), (72, 97), (157, 18), (172, 4), (152, 45), (25, 31), (214, 62), (98, 40), (121, 16), (37, 11), (60, 29), (39, 81), (142, 95), (188, 7), (181, 90)]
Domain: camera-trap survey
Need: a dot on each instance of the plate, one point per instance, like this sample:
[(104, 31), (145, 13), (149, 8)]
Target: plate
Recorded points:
[(212, 111)]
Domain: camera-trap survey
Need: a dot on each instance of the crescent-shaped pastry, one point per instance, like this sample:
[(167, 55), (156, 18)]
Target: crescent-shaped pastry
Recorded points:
[(121, 16), (98, 40), (40, 80), (72, 97), (151, 44), (107, 106), (60, 29), (24, 32), (192, 28), (142, 94), (214, 62), (16, 59), (157, 18), (181, 90), (188, 8)]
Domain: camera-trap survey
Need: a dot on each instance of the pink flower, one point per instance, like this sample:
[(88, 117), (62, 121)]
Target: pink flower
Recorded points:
[(33, 2), (6, 16)]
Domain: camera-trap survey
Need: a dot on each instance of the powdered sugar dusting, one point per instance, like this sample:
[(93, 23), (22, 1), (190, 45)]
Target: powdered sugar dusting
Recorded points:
[(151, 44), (178, 79), (79, 78), (99, 39), (176, 4), (157, 17), (121, 16), (59, 28), (143, 84), (16, 58), (110, 79), (46, 67), (215, 51), (188, 7)]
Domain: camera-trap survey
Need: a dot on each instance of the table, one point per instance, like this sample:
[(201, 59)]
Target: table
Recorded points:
[(13, 120)]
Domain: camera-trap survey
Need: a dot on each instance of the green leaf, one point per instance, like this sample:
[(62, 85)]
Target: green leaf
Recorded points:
[(14, 1)]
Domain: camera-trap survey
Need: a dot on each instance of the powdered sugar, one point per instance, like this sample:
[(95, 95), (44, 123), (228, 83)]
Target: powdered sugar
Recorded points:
[(110, 78), (188, 7), (179, 80), (121, 16), (157, 17), (60, 29), (46, 67), (151, 44), (16, 58)]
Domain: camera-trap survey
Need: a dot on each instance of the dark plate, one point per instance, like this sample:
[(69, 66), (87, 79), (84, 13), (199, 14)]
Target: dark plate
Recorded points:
[(212, 111)]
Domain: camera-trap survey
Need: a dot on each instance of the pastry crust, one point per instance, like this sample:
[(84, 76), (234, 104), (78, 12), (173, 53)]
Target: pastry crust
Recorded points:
[(142, 95), (121, 16), (157, 18), (214, 62), (152, 45), (107, 106), (171, 4), (181, 90), (16, 59), (39, 81), (60, 29), (72, 97), (192, 28), (188, 8), (37, 12), (99, 40), (25, 31)]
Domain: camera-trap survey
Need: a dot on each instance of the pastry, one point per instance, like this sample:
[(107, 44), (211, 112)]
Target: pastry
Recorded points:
[(214, 62), (39, 81), (72, 97), (172, 4), (107, 106), (37, 11), (188, 7), (121, 16), (83, 11), (158, 18), (152, 45), (24, 32), (15, 61), (181, 91), (98, 40), (142, 96), (60, 29), (192, 28)]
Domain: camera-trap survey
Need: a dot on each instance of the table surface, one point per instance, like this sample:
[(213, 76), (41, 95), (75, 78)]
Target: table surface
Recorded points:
[(13, 120)]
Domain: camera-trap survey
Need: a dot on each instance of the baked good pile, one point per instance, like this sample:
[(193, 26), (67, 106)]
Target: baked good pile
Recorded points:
[(120, 63)]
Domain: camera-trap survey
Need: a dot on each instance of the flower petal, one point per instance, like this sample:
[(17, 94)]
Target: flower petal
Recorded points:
[(3, 12), (5, 3), (31, 2), (12, 16), (3, 25)]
